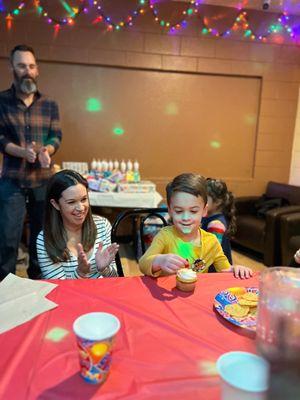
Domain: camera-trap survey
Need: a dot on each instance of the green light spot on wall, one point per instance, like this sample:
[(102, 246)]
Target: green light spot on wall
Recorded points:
[(16, 12), (189, 11), (171, 109), (250, 119), (118, 131), (56, 334), (93, 105), (215, 144)]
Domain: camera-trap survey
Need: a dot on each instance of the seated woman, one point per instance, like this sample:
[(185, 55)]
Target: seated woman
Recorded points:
[(74, 243)]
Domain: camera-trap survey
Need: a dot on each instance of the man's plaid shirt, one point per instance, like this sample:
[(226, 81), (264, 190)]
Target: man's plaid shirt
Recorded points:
[(22, 125)]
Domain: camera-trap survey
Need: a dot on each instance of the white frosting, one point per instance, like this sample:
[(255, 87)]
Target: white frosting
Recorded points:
[(186, 274)]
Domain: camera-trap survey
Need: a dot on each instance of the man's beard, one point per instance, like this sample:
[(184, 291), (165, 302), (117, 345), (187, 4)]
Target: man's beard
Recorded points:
[(26, 84)]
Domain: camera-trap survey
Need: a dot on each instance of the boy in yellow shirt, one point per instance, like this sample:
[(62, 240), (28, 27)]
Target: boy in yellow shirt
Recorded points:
[(184, 243)]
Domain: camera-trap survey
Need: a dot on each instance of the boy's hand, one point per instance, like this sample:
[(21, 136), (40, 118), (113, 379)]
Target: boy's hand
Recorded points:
[(169, 263), (242, 272)]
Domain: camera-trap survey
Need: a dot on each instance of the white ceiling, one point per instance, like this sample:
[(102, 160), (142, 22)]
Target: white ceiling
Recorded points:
[(291, 6)]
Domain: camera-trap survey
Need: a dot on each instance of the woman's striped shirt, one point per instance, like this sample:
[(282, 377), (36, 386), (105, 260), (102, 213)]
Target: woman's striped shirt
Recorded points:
[(68, 269)]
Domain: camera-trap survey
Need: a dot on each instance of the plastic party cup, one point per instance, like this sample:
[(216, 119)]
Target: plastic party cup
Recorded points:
[(244, 376), (95, 333)]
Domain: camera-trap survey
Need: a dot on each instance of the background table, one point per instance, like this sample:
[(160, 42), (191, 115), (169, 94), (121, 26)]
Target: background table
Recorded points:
[(125, 200), (165, 337)]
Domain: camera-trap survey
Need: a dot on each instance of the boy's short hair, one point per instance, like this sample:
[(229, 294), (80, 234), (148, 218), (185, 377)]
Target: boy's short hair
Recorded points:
[(188, 183)]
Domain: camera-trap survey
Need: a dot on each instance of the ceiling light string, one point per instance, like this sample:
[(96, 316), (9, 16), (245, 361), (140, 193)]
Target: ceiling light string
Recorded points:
[(181, 23), (11, 13), (111, 25), (73, 13), (243, 21)]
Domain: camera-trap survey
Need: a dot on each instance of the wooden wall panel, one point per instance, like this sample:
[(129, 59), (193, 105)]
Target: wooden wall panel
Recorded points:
[(173, 122), (149, 46)]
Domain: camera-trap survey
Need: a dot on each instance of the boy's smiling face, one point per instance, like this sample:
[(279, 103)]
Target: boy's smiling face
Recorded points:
[(187, 211)]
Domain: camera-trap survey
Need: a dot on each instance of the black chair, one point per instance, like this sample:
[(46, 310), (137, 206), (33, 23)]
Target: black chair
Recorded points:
[(138, 218), (262, 235), (290, 238)]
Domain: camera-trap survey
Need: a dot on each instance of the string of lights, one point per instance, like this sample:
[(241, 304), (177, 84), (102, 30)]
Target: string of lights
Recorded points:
[(189, 10), (242, 23), (109, 21), (72, 12), (11, 13)]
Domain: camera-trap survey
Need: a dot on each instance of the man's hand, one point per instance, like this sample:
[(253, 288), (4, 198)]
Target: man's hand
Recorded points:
[(169, 263), (242, 272), (29, 152), (105, 256), (83, 264), (44, 157)]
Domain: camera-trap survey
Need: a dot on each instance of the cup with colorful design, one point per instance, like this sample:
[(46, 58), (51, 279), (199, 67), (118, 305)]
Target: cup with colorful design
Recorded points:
[(95, 333)]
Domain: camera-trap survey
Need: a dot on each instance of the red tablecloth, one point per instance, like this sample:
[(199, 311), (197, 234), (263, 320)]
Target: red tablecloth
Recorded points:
[(165, 337)]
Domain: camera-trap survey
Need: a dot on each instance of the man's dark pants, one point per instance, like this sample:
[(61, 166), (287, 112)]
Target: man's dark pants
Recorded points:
[(14, 202)]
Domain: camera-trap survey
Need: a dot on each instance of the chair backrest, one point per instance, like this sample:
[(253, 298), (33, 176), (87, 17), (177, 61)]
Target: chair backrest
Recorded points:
[(288, 192), (138, 218)]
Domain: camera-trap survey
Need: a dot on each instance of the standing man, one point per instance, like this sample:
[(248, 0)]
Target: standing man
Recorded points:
[(29, 136)]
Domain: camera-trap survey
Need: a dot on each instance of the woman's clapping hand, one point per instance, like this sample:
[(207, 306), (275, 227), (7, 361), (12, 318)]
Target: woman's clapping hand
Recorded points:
[(83, 264), (105, 256)]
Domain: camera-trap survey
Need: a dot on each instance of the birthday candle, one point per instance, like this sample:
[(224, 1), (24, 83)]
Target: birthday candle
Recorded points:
[(94, 165), (116, 165), (110, 165), (99, 165), (129, 165), (123, 166), (104, 165)]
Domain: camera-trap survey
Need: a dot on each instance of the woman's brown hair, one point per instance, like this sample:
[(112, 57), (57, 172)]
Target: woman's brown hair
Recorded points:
[(55, 236)]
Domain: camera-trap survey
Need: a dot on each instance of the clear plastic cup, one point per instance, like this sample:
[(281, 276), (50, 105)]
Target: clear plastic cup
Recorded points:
[(278, 330), (278, 320), (95, 333)]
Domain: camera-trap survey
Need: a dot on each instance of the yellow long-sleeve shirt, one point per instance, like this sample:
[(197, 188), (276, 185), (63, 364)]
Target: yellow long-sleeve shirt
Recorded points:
[(168, 241)]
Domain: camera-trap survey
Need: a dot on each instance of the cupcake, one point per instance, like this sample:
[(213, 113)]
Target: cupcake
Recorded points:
[(186, 280)]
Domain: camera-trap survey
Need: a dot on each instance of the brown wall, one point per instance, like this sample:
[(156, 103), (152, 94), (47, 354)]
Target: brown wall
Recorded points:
[(77, 60)]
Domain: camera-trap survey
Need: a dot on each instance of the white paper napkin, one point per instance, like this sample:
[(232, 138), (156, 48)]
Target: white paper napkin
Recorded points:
[(22, 299)]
